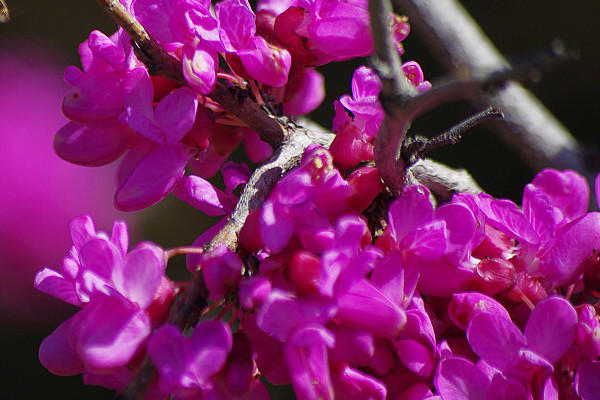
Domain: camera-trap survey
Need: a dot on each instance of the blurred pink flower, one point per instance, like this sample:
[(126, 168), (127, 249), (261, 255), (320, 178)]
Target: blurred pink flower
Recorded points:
[(40, 192)]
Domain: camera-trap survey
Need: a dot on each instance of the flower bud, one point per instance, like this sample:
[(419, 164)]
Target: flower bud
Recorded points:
[(303, 271), (587, 336), (494, 275)]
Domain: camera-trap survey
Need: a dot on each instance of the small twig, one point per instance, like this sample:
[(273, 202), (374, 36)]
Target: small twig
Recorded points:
[(400, 112), (238, 102), (175, 251), (141, 380), (396, 92), (415, 148)]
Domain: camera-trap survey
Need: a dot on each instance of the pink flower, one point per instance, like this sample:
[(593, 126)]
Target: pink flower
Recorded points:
[(116, 290), (549, 332), (260, 59), (186, 365), (318, 32), (555, 234)]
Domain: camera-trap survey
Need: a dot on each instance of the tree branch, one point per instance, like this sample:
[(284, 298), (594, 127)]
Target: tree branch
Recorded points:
[(386, 60), (457, 41)]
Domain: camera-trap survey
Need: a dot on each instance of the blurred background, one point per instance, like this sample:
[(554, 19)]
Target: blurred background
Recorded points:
[(40, 194)]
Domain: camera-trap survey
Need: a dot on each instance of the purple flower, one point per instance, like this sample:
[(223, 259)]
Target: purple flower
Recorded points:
[(548, 334), (555, 235), (94, 104), (438, 241), (364, 102), (587, 380), (186, 365), (261, 60), (303, 202), (319, 32), (116, 290)]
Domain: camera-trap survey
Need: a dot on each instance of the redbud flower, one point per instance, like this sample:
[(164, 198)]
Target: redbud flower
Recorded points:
[(187, 364), (115, 289)]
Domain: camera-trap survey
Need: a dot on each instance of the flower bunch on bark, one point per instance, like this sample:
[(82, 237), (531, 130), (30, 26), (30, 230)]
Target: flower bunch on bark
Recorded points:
[(332, 283)]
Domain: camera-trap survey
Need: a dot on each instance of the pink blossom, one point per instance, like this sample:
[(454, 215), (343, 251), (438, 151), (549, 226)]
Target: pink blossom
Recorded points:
[(115, 289), (186, 365), (261, 60), (549, 332), (318, 32), (550, 223)]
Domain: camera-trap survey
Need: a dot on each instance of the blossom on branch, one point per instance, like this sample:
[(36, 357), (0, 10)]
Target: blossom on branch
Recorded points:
[(319, 276)]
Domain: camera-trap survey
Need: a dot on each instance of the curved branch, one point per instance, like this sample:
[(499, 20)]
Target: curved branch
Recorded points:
[(528, 126)]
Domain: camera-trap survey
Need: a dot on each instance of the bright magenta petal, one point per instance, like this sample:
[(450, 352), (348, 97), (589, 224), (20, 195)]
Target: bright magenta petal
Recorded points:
[(202, 195), (587, 380), (176, 114), (142, 274), (57, 356), (550, 329), (54, 284), (107, 333), (97, 100), (152, 179), (92, 146), (459, 379)]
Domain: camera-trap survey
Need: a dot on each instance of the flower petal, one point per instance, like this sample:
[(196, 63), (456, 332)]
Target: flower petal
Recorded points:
[(54, 284), (142, 274), (551, 327), (92, 146), (459, 379), (176, 114), (107, 333), (152, 179), (587, 380), (202, 195), (57, 356), (495, 339)]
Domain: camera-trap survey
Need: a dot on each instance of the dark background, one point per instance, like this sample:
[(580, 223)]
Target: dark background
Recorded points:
[(571, 92)]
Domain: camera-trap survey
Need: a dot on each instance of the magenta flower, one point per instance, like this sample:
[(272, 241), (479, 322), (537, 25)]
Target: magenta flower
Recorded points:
[(304, 202), (189, 29), (96, 136), (355, 135), (111, 101), (364, 102), (548, 334), (116, 290), (438, 241), (299, 324), (150, 171), (261, 60), (319, 32), (186, 365), (304, 91), (555, 234)]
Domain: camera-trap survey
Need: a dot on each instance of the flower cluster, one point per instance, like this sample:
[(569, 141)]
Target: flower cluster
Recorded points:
[(123, 296), (335, 287), (158, 127)]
